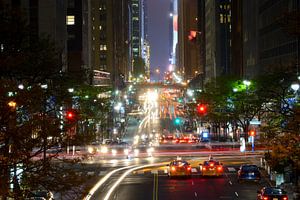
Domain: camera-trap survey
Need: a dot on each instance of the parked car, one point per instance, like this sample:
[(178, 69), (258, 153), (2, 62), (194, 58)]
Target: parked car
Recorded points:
[(249, 172), (271, 193)]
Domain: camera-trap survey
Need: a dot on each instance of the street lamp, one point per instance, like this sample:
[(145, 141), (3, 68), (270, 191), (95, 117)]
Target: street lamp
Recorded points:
[(295, 87), (71, 90), (246, 82)]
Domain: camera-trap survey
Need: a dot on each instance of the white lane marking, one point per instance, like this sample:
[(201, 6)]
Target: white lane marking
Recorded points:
[(194, 170), (196, 194), (102, 180), (108, 194), (231, 169), (236, 194), (102, 173), (230, 182), (90, 173), (192, 182)]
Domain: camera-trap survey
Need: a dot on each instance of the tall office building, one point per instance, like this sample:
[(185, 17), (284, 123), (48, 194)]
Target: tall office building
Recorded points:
[(250, 38), (138, 35), (218, 38), (237, 64), (173, 34), (44, 18), (74, 22), (188, 61), (277, 42), (103, 37)]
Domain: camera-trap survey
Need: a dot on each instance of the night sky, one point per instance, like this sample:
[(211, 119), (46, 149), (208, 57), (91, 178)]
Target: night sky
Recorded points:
[(158, 31)]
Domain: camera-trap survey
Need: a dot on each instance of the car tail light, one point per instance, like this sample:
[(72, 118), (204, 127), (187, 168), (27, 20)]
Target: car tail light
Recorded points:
[(173, 168), (265, 198), (285, 198), (189, 168), (204, 168), (220, 168), (211, 164)]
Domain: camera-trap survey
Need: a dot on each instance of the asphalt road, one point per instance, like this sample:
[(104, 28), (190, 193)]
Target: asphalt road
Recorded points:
[(153, 183)]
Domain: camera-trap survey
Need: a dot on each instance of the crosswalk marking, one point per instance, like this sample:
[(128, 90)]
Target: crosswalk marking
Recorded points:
[(90, 173), (231, 169), (102, 173)]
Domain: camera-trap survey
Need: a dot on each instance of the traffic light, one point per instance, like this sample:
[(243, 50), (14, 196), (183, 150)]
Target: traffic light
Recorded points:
[(71, 116), (177, 121), (201, 109), (252, 133)]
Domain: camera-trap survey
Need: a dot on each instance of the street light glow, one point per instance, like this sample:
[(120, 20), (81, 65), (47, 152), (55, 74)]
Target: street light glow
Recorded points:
[(246, 82), (295, 86)]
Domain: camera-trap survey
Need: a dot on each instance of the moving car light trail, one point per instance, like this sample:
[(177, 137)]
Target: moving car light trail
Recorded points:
[(111, 190)]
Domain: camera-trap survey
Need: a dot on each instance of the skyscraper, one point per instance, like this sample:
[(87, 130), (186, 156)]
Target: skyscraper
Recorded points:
[(188, 44), (218, 37)]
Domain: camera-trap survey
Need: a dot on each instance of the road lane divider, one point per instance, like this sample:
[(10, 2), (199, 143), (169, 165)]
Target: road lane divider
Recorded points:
[(155, 187)]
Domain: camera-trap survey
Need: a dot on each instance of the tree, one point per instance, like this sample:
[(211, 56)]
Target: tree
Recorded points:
[(280, 130), (31, 95), (93, 111)]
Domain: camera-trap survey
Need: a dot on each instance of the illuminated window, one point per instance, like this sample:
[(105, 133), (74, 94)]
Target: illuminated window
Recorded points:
[(103, 47), (228, 18), (100, 27), (70, 20), (221, 19)]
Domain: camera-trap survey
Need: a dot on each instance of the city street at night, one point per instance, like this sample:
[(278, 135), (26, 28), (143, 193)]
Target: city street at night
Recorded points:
[(149, 99)]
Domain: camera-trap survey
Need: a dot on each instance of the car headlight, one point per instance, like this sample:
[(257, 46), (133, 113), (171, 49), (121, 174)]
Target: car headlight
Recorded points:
[(104, 149), (126, 151), (150, 150), (114, 152), (136, 152), (90, 149)]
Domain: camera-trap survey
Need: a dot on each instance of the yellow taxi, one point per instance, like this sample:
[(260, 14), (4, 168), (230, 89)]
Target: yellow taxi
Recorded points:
[(179, 168), (211, 168)]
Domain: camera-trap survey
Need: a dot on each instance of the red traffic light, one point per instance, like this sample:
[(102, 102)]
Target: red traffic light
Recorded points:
[(70, 115), (201, 109), (252, 133)]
